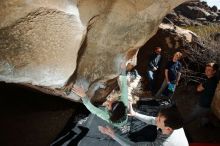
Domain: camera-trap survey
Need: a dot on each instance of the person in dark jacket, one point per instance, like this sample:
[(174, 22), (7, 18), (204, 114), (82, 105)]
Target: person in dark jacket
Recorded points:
[(153, 66), (207, 91)]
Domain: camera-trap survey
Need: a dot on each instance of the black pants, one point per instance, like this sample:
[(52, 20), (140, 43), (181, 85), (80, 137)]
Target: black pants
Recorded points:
[(148, 133)]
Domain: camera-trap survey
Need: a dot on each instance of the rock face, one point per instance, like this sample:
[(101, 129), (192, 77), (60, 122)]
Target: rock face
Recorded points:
[(40, 40), (122, 25), (171, 39), (39, 45), (193, 13), (216, 102)]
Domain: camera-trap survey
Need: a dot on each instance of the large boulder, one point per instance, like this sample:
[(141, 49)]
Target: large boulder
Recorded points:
[(194, 12), (40, 40), (123, 25), (214, 8), (216, 102)]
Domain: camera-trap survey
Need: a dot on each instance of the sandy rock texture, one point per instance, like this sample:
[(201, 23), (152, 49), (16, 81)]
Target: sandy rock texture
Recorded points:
[(216, 102), (40, 40)]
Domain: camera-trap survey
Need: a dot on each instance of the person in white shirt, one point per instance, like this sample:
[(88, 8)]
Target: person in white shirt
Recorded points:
[(169, 133)]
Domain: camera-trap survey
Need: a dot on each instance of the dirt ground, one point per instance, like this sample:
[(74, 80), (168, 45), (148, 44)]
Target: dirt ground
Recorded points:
[(30, 118)]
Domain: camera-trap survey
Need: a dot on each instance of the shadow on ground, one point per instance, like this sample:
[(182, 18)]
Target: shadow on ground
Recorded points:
[(30, 118)]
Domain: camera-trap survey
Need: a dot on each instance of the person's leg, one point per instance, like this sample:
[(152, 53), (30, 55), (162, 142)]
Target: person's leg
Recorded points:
[(163, 86), (150, 77)]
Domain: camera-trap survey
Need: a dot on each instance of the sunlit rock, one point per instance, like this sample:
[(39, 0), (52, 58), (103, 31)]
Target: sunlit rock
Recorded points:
[(216, 102), (40, 40), (171, 39), (116, 27)]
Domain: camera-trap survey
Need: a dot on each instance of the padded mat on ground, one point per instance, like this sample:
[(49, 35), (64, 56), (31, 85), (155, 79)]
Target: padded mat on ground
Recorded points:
[(82, 130)]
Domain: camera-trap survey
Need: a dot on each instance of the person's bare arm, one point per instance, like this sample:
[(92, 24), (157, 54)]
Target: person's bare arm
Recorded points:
[(147, 119), (178, 78), (126, 142), (121, 140), (103, 114), (200, 88), (166, 76), (79, 91)]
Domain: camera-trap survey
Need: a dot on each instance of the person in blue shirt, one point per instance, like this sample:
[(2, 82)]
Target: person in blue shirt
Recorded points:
[(172, 76)]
